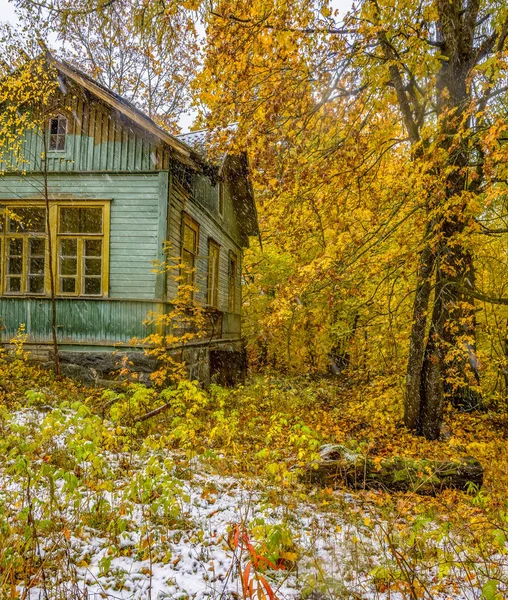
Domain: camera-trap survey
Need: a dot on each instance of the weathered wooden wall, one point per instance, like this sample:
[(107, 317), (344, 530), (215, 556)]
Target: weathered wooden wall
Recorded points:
[(79, 321), (136, 207), (98, 139), (211, 225)]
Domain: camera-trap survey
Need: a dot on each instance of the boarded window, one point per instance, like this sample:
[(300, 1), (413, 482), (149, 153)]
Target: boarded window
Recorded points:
[(81, 251), (23, 230), (213, 273), (232, 278), (190, 244), (57, 133)]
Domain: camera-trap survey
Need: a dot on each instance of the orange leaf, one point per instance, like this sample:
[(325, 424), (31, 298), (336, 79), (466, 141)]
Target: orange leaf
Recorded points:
[(267, 587), (245, 578)]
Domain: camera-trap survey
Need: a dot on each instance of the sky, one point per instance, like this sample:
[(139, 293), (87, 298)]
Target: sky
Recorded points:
[(7, 11)]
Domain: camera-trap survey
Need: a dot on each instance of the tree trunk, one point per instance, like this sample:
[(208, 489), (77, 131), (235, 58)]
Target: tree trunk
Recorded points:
[(465, 368), (412, 406), (339, 466), (448, 367)]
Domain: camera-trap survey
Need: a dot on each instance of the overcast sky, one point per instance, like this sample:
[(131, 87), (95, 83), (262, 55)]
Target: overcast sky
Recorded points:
[(6, 11)]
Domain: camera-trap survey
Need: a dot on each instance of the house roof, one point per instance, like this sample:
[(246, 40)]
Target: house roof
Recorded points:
[(196, 139), (201, 141)]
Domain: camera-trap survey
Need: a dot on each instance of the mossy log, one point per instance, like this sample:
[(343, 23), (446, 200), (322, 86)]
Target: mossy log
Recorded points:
[(338, 466)]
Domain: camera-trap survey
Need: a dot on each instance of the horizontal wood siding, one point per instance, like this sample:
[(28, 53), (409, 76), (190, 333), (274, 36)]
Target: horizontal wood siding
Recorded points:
[(135, 207), (78, 321), (210, 226)]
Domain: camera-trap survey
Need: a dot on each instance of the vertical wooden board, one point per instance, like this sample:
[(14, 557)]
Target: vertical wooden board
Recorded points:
[(90, 138), (162, 215)]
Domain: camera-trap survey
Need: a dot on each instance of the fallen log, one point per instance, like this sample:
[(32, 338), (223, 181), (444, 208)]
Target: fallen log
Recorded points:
[(340, 466)]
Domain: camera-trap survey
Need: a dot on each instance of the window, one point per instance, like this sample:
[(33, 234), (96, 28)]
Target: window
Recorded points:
[(190, 244), (213, 273), (57, 133), (79, 241), (232, 276), (23, 242), (80, 251)]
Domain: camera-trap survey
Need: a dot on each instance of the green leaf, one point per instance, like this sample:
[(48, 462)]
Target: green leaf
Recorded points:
[(489, 590)]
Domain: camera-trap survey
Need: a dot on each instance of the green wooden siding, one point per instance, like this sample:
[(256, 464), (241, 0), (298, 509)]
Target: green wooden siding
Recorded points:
[(78, 321), (98, 140), (135, 240)]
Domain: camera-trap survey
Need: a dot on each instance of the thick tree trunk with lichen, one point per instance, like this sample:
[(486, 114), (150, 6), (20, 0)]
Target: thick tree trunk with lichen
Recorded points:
[(340, 466), (445, 365)]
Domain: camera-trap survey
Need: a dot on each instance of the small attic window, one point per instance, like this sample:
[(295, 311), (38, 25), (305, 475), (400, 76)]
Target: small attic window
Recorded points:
[(57, 133)]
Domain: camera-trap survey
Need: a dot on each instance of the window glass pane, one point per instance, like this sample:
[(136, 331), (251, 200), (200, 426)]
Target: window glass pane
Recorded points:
[(93, 266), (53, 127), (15, 266), (2, 220), (68, 266), (189, 238), (67, 285), (36, 284), (92, 220), (14, 284), (60, 142), (36, 266), (93, 247), (37, 246), (80, 220), (62, 126), (188, 259), (92, 286), (69, 247), (27, 220), (16, 247)]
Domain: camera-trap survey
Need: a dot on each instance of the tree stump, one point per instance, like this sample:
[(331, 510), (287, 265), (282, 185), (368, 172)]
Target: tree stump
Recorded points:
[(340, 466)]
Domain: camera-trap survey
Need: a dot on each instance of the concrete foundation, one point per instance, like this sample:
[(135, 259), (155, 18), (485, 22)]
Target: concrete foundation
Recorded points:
[(222, 362)]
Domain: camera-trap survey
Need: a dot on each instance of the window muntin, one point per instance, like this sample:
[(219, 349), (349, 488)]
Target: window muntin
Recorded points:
[(232, 277), (80, 250), (24, 243), (190, 244), (213, 273), (57, 133)]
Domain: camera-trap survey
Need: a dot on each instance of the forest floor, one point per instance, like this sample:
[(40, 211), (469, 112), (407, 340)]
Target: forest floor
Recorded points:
[(206, 499)]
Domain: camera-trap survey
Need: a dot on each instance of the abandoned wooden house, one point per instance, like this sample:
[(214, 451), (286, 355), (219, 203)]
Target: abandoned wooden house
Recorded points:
[(123, 193)]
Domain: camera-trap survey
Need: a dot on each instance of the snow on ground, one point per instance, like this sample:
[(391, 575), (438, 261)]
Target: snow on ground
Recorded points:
[(152, 530)]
